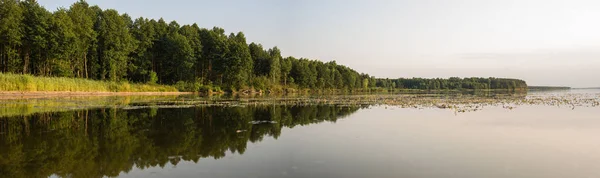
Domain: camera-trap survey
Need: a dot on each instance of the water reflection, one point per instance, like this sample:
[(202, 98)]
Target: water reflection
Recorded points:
[(108, 141), (22, 107)]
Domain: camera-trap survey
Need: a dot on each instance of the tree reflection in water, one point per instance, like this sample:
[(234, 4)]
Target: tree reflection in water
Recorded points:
[(106, 142)]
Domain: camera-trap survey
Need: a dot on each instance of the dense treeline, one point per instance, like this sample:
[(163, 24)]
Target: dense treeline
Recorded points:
[(540, 88), (106, 142), (88, 42), (452, 83)]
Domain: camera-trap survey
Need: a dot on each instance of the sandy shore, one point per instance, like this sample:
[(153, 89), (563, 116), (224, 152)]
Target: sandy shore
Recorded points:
[(44, 94)]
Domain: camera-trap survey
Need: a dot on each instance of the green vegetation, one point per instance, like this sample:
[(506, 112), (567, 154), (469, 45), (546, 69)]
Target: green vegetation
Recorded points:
[(453, 83), (15, 82), (85, 41)]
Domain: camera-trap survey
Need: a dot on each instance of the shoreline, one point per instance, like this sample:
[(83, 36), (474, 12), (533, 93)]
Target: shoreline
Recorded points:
[(5, 95)]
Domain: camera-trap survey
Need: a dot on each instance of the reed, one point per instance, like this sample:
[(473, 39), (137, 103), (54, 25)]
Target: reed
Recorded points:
[(29, 83)]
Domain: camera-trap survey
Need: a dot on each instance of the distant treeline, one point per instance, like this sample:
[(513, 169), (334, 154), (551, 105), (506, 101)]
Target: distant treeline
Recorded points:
[(88, 42), (588, 88), (548, 88), (451, 83)]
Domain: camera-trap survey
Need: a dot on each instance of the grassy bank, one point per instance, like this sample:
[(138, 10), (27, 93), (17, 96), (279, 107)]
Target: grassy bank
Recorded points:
[(28, 83)]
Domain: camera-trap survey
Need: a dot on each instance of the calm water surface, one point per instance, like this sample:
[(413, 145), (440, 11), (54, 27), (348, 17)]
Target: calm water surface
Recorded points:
[(305, 141)]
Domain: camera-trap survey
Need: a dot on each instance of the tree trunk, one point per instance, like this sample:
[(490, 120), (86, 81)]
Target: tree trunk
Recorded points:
[(85, 65), (2, 59), (8, 57), (209, 72), (25, 62)]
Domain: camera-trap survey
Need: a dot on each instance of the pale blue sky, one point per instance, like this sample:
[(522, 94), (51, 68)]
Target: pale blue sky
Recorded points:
[(545, 42)]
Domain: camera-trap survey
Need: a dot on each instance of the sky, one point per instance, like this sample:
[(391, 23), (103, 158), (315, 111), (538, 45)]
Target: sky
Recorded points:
[(544, 42)]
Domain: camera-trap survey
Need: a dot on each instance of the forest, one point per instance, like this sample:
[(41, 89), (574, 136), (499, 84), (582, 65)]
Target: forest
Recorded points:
[(85, 41), (452, 83)]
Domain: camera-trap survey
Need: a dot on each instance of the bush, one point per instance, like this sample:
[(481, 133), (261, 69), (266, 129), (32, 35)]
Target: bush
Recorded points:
[(261, 83), (153, 77), (217, 89), (186, 86), (205, 89)]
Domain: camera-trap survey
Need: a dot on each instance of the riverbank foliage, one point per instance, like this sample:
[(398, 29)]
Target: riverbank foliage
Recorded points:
[(16, 82), (85, 41)]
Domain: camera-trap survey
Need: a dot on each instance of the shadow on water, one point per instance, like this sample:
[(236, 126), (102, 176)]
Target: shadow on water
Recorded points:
[(20, 107), (108, 141)]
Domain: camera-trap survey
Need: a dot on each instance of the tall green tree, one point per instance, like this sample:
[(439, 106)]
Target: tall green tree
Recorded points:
[(93, 54), (192, 34), (83, 16), (160, 28), (11, 33), (214, 50), (178, 57), (141, 66), (114, 45), (260, 58), (61, 47), (275, 65), (35, 27), (238, 61), (286, 67)]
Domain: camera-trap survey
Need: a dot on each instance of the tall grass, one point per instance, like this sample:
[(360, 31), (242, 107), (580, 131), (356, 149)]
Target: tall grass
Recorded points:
[(18, 82)]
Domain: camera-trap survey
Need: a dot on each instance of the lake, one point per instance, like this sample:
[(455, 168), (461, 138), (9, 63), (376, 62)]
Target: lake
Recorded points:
[(539, 134)]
